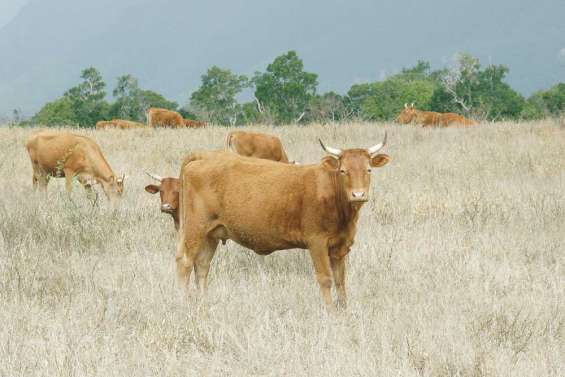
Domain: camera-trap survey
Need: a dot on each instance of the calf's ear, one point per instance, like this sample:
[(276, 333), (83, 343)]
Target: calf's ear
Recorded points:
[(330, 163), (152, 189), (380, 160)]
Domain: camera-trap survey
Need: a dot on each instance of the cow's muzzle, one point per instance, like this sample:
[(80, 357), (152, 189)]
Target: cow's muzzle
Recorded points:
[(358, 196), (167, 208)]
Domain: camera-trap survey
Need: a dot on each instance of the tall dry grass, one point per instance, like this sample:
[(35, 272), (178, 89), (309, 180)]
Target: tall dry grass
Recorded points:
[(458, 267)]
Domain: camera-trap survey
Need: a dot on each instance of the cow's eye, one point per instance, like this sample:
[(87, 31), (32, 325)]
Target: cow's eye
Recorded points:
[(368, 170), (342, 172)]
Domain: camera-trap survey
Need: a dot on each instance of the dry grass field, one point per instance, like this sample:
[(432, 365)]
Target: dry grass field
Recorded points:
[(458, 267)]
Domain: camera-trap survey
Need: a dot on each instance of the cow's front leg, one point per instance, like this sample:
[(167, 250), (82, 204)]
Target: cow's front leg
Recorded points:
[(338, 269), (68, 180), (321, 261)]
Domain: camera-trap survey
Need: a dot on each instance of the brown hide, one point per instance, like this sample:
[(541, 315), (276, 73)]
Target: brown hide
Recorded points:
[(431, 118), (191, 123), (67, 155), (119, 124), (157, 117), (168, 189), (258, 145), (268, 206)]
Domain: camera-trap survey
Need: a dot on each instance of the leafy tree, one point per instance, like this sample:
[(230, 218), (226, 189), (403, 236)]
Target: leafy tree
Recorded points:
[(150, 98), (57, 113), (87, 99), (186, 114), (129, 103), (554, 99), (215, 100), (467, 88), (545, 103), (285, 89), (383, 100), (329, 107), (132, 102)]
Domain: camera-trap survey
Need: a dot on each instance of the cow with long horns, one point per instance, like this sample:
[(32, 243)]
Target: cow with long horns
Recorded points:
[(268, 206)]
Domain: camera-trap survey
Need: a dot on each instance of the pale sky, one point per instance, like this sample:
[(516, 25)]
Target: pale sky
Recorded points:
[(9, 9)]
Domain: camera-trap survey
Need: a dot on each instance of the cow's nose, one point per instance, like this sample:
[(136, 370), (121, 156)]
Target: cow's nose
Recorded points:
[(358, 194)]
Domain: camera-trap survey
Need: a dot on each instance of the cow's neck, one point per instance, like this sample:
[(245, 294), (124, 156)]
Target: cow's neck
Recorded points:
[(347, 212)]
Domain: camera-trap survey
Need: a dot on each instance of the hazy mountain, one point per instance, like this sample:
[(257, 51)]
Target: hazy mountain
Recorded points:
[(168, 44)]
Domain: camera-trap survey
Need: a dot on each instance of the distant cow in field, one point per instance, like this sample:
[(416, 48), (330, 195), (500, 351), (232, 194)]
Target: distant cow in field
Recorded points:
[(192, 123), (157, 117), (168, 189), (431, 118), (68, 155), (258, 145), (268, 206), (119, 124)]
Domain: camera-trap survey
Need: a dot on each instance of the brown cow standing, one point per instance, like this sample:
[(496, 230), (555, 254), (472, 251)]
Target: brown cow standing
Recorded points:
[(68, 155), (268, 206), (157, 117), (191, 123), (258, 145), (168, 189), (119, 124), (431, 118)]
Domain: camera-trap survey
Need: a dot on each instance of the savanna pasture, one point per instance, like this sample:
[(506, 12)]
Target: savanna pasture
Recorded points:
[(458, 268)]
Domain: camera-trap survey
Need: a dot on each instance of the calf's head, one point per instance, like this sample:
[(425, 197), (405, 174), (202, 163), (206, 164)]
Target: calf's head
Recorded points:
[(353, 169), (168, 189)]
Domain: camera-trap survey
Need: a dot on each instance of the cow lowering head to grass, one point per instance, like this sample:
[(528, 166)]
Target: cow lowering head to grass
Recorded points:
[(66, 155)]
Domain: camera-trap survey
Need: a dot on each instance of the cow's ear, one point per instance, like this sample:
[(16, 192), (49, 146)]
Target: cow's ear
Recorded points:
[(330, 163), (152, 189), (380, 160)]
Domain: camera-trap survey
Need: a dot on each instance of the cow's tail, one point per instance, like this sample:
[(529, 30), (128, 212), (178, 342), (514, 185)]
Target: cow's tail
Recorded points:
[(148, 117), (229, 141)]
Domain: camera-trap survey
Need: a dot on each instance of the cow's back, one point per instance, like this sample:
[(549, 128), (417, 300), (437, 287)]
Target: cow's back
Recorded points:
[(257, 145), (449, 119), (53, 151), (157, 117)]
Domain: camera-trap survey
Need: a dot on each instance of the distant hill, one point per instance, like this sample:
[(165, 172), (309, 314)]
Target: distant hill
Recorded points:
[(168, 44)]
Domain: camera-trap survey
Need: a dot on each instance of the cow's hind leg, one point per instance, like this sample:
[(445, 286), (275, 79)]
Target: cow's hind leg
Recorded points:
[(202, 263), (39, 178), (187, 251)]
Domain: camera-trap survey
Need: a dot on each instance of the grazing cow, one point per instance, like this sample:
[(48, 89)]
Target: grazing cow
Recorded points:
[(157, 117), (191, 123), (431, 118), (68, 155), (168, 189), (267, 206), (119, 124), (258, 145)]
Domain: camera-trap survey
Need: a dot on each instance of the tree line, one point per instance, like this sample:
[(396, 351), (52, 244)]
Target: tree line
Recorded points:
[(285, 93)]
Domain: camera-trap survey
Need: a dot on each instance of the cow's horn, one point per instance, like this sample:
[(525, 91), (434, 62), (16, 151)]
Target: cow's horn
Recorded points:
[(412, 104), (375, 148), (405, 105), (155, 177), (333, 151)]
